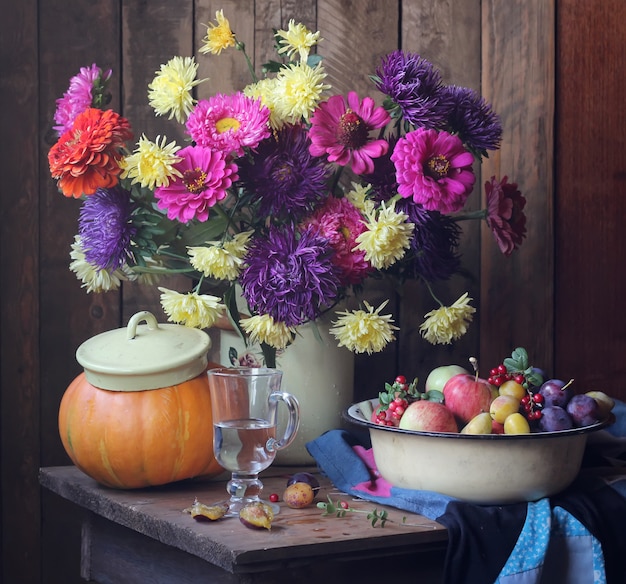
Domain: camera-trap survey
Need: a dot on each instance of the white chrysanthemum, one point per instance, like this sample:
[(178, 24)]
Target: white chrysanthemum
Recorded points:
[(262, 328), (191, 309), (152, 163), (299, 89), (93, 278), (448, 323), (358, 196), (220, 261), (387, 237), (170, 91), (364, 331), (266, 90)]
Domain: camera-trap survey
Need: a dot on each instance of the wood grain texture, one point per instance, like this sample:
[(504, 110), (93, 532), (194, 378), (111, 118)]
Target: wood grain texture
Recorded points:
[(559, 295), (516, 296), (447, 34), (19, 309), (590, 339), (68, 315)]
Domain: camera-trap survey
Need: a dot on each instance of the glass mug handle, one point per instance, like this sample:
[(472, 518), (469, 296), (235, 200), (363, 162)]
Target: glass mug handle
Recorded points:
[(292, 424)]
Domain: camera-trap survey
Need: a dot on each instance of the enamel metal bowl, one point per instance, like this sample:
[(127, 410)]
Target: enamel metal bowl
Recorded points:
[(490, 469)]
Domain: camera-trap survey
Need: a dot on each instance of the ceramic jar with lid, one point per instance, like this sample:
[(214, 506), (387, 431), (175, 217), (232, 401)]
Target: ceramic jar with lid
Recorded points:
[(139, 414)]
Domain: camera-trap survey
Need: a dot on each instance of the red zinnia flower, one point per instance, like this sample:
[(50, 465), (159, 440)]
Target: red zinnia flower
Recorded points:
[(343, 132), (505, 214), (86, 157)]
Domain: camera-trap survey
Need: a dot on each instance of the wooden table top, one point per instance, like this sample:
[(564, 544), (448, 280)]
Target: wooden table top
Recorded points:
[(296, 533)]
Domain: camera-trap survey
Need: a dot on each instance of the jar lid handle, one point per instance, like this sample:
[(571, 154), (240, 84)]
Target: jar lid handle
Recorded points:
[(144, 315)]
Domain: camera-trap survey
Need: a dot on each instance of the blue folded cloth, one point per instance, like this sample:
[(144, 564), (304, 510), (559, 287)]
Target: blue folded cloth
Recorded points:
[(579, 533)]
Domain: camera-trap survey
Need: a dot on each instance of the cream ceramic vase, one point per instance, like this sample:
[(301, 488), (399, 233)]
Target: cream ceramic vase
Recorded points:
[(315, 370)]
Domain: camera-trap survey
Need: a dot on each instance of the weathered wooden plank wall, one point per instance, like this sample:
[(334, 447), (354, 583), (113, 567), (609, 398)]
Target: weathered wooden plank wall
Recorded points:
[(506, 48)]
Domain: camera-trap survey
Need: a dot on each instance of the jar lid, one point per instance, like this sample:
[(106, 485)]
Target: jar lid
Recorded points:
[(144, 356)]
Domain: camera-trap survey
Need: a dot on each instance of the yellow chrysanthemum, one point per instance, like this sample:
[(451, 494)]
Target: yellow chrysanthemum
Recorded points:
[(387, 237), (448, 323), (191, 309), (358, 196), (93, 278), (299, 89), (152, 163), (297, 39), (364, 331), (218, 36), (220, 261), (266, 90), (170, 91), (262, 328)]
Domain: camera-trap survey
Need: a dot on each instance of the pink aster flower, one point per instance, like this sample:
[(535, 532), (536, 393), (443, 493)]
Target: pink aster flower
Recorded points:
[(505, 214), (435, 169), (85, 88), (229, 123), (205, 177), (343, 131), (340, 222)]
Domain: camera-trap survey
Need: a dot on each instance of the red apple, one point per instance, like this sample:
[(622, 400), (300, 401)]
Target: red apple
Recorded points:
[(497, 427), (467, 396), (428, 416), (438, 377)]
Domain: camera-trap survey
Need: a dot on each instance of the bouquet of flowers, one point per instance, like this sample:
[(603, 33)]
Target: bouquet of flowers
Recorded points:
[(285, 195)]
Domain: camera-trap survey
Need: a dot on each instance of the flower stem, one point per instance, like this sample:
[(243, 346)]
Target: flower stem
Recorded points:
[(242, 47), (480, 214)]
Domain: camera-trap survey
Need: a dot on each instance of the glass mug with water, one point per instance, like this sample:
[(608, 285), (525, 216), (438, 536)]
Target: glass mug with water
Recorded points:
[(244, 403)]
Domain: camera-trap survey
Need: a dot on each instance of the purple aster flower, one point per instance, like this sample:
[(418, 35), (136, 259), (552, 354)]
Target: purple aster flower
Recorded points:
[(434, 244), (105, 229), (282, 174), (474, 120), (415, 86), (87, 89), (289, 275)]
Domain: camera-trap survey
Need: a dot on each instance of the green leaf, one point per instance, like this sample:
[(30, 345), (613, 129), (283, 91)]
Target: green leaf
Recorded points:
[(434, 395)]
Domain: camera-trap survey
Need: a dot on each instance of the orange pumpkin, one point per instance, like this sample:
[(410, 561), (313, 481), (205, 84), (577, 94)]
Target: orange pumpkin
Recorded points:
[(135, 439)]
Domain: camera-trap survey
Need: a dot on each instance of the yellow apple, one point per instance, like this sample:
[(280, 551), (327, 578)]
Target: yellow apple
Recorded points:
[(516, 424), (605, 402), (503, 406), (480, 424)]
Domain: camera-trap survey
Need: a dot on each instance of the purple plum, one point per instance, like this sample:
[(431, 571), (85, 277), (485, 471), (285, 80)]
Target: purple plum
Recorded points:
[(556, 393), (555, 419), (584, 410)]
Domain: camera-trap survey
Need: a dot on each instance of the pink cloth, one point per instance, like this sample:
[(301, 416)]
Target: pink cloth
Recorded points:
[(377, 485)]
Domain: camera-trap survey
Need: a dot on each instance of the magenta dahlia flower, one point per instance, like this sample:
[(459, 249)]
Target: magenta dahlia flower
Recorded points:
[(505, 214), (229, 123), (289, 275), (343, 131), (340, 222), (434, 169), (206, 176), (87, 89)]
